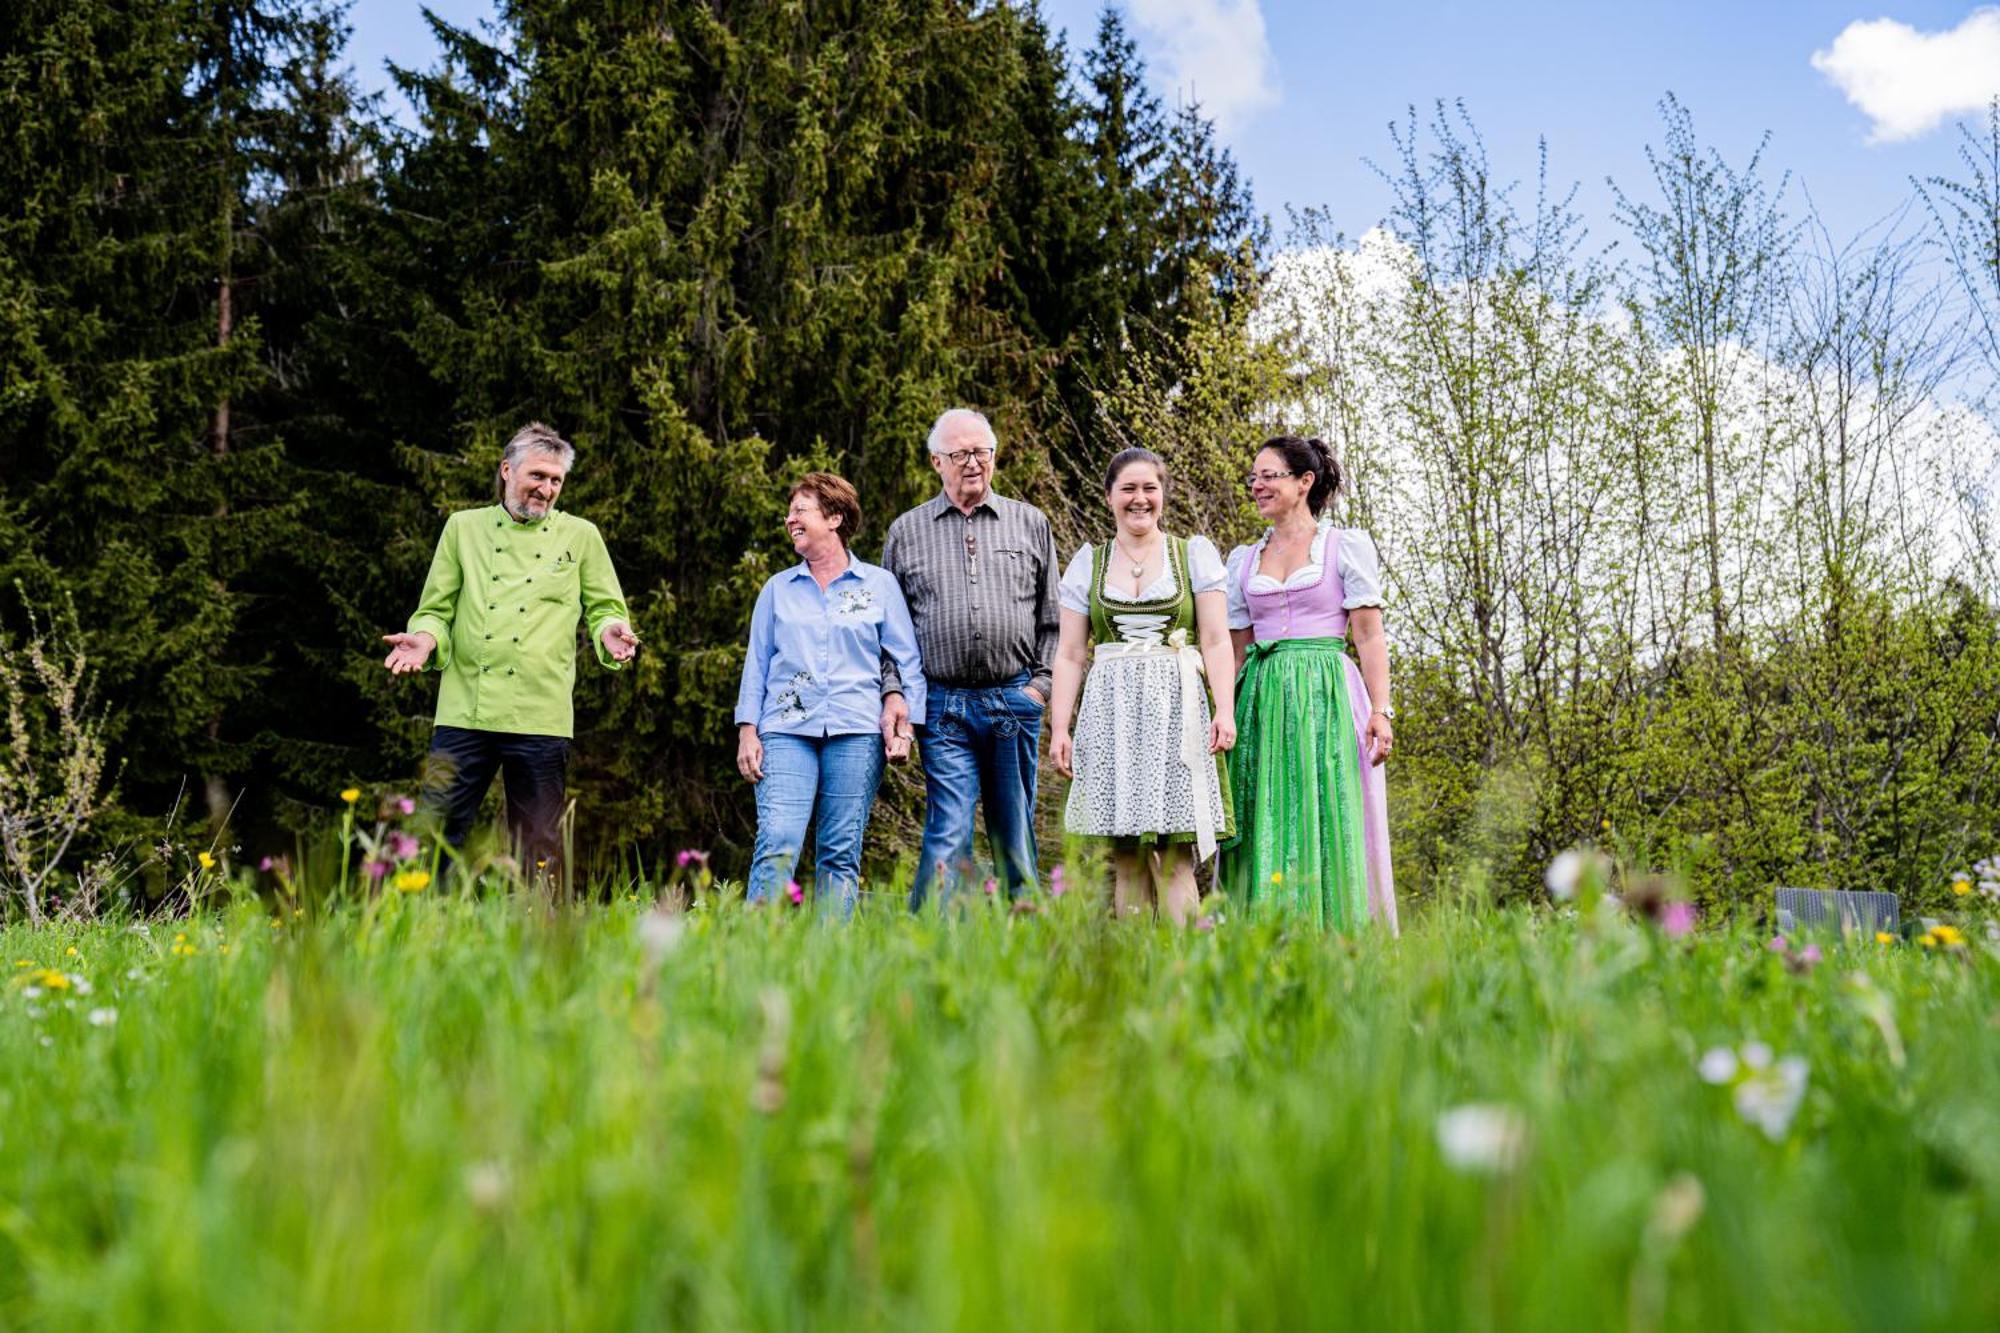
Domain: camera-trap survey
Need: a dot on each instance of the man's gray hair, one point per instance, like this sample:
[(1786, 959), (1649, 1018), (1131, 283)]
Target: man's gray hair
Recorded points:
[(956, 414), (539, 438)]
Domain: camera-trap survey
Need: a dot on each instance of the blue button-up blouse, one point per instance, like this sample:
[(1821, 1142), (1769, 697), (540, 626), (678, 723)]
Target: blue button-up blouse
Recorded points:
[(815, 662)]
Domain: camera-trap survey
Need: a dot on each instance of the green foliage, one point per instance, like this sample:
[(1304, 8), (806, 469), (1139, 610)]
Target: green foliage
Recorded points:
[(714, 245), (1655, 570), (474, 1114)]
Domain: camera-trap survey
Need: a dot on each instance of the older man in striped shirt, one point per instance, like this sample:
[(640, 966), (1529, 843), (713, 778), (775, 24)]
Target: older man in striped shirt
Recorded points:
[(979, 573)]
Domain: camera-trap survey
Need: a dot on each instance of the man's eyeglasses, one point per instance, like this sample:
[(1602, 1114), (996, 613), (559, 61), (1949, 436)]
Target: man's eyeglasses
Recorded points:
[(960, 457), (1252, 478)]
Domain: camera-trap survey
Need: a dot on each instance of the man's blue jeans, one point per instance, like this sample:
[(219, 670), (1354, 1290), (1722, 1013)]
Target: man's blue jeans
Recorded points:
[(839, 775), (978, 746)]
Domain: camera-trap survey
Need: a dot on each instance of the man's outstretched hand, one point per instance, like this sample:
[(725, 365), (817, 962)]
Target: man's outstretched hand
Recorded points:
[(619, 641), (408, 652)]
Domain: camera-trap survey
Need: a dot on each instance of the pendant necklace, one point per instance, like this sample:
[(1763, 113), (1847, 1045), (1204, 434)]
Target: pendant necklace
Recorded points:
[(1138, 565)]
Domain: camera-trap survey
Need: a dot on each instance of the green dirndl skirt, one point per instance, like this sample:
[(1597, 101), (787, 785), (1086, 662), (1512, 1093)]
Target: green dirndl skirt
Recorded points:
[(1300, 848)]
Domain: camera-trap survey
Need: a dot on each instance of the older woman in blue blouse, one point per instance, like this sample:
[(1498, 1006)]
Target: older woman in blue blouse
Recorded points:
[(812, 727)]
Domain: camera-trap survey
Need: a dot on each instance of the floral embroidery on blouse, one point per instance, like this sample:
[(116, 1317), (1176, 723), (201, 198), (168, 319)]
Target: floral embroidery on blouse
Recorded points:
[(791, 699), (854, 601)]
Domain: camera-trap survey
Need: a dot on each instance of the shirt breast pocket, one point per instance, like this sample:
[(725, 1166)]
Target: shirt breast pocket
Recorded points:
[(1018, 575), (558, 580)]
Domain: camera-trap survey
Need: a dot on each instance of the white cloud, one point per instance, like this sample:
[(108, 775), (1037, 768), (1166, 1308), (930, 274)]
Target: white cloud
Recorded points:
[(1212, 51), (1908, 82)]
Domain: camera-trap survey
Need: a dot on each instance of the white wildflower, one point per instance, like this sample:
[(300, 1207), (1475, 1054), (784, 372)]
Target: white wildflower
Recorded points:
[(103, 1018), (1482, 1136), (1718, 1065), (660, 933), (1564, 874), (1756, 1055), (1771, 1097)]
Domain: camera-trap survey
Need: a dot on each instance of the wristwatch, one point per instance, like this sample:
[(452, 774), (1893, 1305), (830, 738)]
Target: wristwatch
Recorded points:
[(1386, 710)]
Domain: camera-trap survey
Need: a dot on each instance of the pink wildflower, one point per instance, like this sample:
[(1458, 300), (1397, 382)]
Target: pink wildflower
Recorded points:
[(1810, 954), (1204, 923), (794, 892), (406, 804), (1777, 944), (375, 869), (1057, 886), (264, 864), (992, 887), (402, 846), (1677, 920)]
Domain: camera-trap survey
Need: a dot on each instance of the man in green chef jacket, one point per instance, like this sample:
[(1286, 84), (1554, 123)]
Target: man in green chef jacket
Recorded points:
[(498, 620)]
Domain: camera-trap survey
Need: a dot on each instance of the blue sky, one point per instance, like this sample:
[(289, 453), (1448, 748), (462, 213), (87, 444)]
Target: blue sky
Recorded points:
[(1304, 90)]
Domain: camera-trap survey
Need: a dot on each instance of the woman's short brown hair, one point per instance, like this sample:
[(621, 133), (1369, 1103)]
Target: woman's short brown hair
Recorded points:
[(836, 500)]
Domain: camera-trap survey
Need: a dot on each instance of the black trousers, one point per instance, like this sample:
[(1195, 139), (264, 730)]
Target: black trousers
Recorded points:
[(533, 769)]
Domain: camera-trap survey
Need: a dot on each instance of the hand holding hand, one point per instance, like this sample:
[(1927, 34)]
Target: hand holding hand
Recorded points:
[(619, 641), (1062, 753), (1379, 738), (895, 727), (408, 652), (750, 754), (1221, 734)]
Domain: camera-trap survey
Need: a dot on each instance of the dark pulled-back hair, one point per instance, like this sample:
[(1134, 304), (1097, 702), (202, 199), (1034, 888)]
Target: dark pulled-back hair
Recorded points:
[(1304, 454), (1125, 458)]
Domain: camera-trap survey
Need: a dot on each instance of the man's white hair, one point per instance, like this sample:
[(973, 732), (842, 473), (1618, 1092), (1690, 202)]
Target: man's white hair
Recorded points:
[(533, 436), (955, 414), (541, 439)]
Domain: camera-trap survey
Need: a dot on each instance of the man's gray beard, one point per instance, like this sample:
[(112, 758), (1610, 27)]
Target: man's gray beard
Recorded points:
[(519, 513)]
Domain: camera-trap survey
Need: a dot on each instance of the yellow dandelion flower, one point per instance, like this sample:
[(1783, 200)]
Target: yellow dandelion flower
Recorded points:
[(51, 979), (1950, 935), (207, 861), (180, 939), (351, 795), (1961, 887), (413, 881), (70, 952), (1928, 940), (1277, 877), (1884, 937)]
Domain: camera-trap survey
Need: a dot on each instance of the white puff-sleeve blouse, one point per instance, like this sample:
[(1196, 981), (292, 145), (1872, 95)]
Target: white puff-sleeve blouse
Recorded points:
[(1360, 572), (1205, 571)]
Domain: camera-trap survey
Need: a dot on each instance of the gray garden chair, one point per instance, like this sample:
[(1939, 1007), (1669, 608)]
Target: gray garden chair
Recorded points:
[(1836, 909)]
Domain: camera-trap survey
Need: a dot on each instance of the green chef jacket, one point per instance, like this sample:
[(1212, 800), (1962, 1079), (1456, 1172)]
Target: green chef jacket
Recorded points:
[(502, 600)]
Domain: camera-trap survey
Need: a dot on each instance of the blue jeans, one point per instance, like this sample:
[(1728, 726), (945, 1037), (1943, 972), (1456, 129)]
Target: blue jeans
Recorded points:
[(978, 743), (839, 774)]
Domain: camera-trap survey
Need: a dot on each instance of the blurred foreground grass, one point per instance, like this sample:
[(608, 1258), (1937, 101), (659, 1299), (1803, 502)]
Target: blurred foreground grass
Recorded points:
[(441, 1113)]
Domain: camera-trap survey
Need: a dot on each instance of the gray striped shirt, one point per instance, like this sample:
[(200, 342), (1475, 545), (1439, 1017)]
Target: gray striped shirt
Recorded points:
[(981, 589)]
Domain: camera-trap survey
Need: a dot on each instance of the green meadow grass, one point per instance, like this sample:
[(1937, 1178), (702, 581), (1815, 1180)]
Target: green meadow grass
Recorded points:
[(445, 1113)]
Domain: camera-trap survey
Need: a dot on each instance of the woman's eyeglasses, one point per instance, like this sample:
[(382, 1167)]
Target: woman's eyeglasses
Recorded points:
[(1250, 479)]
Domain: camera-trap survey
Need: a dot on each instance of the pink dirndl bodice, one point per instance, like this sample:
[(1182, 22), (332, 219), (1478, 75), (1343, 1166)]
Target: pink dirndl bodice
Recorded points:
[(1316, 612)]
